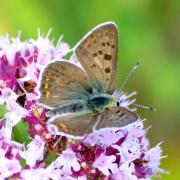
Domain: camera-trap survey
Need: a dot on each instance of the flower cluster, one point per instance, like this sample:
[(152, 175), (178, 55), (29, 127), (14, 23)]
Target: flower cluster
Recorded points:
[(28, 150)]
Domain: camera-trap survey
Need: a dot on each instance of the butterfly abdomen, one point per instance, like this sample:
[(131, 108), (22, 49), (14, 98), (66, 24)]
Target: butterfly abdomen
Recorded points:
[(71, 108)]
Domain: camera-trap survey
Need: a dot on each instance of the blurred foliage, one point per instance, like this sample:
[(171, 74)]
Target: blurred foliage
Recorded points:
[(149, 33), (3, 111)]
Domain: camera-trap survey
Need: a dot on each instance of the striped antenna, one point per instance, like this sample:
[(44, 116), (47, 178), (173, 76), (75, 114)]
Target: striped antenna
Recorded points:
[(129, 74), (144, 107)]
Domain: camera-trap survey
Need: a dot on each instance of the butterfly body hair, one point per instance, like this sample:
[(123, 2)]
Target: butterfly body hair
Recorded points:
[(97, 103), (93, 103)]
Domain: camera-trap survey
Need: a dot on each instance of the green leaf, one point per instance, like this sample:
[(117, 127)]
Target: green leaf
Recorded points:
[(20, 132), (51, 157), (3, 110), (23, 163)]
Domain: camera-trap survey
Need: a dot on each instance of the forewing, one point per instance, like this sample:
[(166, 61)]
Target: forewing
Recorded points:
[(76, 124), (116, 117), (61, 83), (97, 52)]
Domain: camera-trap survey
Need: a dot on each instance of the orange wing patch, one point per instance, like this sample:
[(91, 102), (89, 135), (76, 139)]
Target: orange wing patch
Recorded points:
[(63, 127)]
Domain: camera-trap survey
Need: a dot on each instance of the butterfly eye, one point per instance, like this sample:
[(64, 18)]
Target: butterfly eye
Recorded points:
[(117, 103)]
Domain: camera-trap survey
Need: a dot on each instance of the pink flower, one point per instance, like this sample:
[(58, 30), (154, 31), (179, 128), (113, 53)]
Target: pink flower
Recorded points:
[(152, 156), (64, 164), (31, 73), (105, 137), (60, 50), (8, 167), (132, 146), (125, 172), (16, 112), (5, 133), (15, 116), (34, 152), (8, 96), (34, 174), (106, 164)]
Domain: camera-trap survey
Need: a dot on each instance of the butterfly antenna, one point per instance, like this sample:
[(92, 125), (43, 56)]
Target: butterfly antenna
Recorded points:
[(144, 107), (129, 74)]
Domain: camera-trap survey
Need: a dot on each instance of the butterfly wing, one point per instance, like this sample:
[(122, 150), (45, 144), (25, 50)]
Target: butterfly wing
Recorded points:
[(61, 83), (76, 124), (97, 52), (116, 117)]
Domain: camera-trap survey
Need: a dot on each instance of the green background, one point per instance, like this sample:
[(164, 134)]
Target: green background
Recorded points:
[(149, 33)]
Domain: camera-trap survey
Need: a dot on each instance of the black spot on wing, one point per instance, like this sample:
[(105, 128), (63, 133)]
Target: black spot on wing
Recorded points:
[(100, 52), (103, 44), (108, 44), (107, 70), (93, 66), (94, 54), (107, 57)]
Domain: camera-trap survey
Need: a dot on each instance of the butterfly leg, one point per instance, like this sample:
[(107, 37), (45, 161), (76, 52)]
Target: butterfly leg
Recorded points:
[(97, 122)]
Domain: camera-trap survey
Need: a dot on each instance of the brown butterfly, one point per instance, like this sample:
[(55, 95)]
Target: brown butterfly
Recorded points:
[(80, 100)]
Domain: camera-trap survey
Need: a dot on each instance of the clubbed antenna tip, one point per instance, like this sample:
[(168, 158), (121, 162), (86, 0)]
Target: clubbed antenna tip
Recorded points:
[(144, 107)]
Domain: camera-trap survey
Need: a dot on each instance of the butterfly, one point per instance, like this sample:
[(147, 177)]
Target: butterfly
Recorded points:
[(80, 99)]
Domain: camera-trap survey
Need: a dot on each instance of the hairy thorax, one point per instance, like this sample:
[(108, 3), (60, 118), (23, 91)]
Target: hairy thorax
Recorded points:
[(99, 102)]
